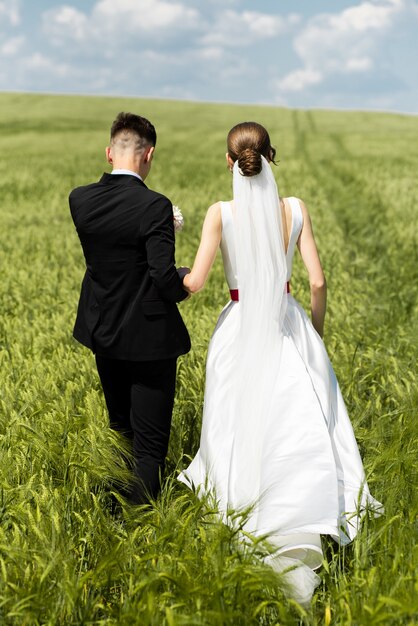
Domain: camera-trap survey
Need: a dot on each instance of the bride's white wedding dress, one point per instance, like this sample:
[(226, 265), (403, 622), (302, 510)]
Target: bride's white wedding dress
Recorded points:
[(298, 463)]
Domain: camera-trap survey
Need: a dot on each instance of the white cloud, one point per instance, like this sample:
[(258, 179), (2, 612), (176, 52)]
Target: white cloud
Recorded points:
[(11, 10), (332, 40), (344, 42), (118, 20), (40, 63), (233, 28), (366, 16), (12, 46), (294, 19), (144, 15), (65, 20), (168, 41), (359, 64), (211, 53), (299, 80), (262, 25)]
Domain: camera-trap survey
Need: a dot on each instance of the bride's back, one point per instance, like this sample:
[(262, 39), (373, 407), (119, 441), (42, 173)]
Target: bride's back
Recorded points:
[(292, 222), (287, 219)]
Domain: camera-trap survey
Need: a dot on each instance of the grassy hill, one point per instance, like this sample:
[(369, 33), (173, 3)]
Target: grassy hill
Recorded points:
[(64, 559)]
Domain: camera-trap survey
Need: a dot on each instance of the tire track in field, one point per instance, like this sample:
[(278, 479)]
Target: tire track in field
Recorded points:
[(362, 218), (311, 122), (299, 134), (368, 218)]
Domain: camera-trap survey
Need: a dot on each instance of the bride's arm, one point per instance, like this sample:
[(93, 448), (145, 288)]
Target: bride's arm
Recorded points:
[(309, 253), (209, 244)]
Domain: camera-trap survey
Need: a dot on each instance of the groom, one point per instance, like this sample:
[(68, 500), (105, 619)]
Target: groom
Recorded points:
[(127, 313)]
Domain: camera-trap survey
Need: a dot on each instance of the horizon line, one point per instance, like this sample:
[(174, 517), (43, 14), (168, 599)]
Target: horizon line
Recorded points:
[(213, 102)]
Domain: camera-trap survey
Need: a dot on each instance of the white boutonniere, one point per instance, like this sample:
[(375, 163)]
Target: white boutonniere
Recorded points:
[(178, 219)]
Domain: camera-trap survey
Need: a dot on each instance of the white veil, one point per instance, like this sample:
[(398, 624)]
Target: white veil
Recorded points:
[(262, 271)]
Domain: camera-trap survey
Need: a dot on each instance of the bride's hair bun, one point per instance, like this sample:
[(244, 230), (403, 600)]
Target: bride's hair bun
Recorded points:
[(247, 142), (249, 162)]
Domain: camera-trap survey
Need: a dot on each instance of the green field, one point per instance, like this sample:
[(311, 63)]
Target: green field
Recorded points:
[(64, 559)]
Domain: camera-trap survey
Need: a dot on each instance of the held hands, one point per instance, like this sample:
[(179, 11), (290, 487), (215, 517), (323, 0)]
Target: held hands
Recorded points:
[(182, 272)]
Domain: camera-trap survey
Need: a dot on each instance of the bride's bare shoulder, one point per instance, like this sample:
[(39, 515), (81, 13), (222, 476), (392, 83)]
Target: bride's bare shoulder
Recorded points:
[(214, 211), (213, 218)]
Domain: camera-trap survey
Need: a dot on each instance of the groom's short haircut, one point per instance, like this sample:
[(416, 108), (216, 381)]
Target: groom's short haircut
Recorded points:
[(130, 131)]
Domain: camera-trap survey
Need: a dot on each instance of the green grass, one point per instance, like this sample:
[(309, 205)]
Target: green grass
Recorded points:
[(64, 559)]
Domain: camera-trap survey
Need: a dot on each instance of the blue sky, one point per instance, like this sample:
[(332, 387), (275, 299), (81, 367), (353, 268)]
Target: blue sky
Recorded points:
[(350, 54)]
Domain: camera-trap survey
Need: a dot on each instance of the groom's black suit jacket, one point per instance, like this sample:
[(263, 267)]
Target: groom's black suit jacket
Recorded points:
[(127, 308)]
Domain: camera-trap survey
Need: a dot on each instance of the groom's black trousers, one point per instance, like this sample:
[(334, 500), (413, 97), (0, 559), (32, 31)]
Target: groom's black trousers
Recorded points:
[(139, 397)]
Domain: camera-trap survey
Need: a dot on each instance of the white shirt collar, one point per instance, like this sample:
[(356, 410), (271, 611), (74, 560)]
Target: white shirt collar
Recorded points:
[(126, 172)]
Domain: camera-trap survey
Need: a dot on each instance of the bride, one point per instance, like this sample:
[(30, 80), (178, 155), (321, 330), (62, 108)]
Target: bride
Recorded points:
[(276, 439)]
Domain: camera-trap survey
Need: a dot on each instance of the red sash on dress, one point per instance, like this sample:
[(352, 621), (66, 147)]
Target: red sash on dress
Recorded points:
[(235, 292)]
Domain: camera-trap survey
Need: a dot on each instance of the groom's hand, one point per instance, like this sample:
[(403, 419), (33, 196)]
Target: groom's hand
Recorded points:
[(183, 271)]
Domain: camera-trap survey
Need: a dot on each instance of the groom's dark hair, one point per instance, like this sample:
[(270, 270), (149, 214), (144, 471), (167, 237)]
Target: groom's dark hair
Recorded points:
[(131, 123)]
